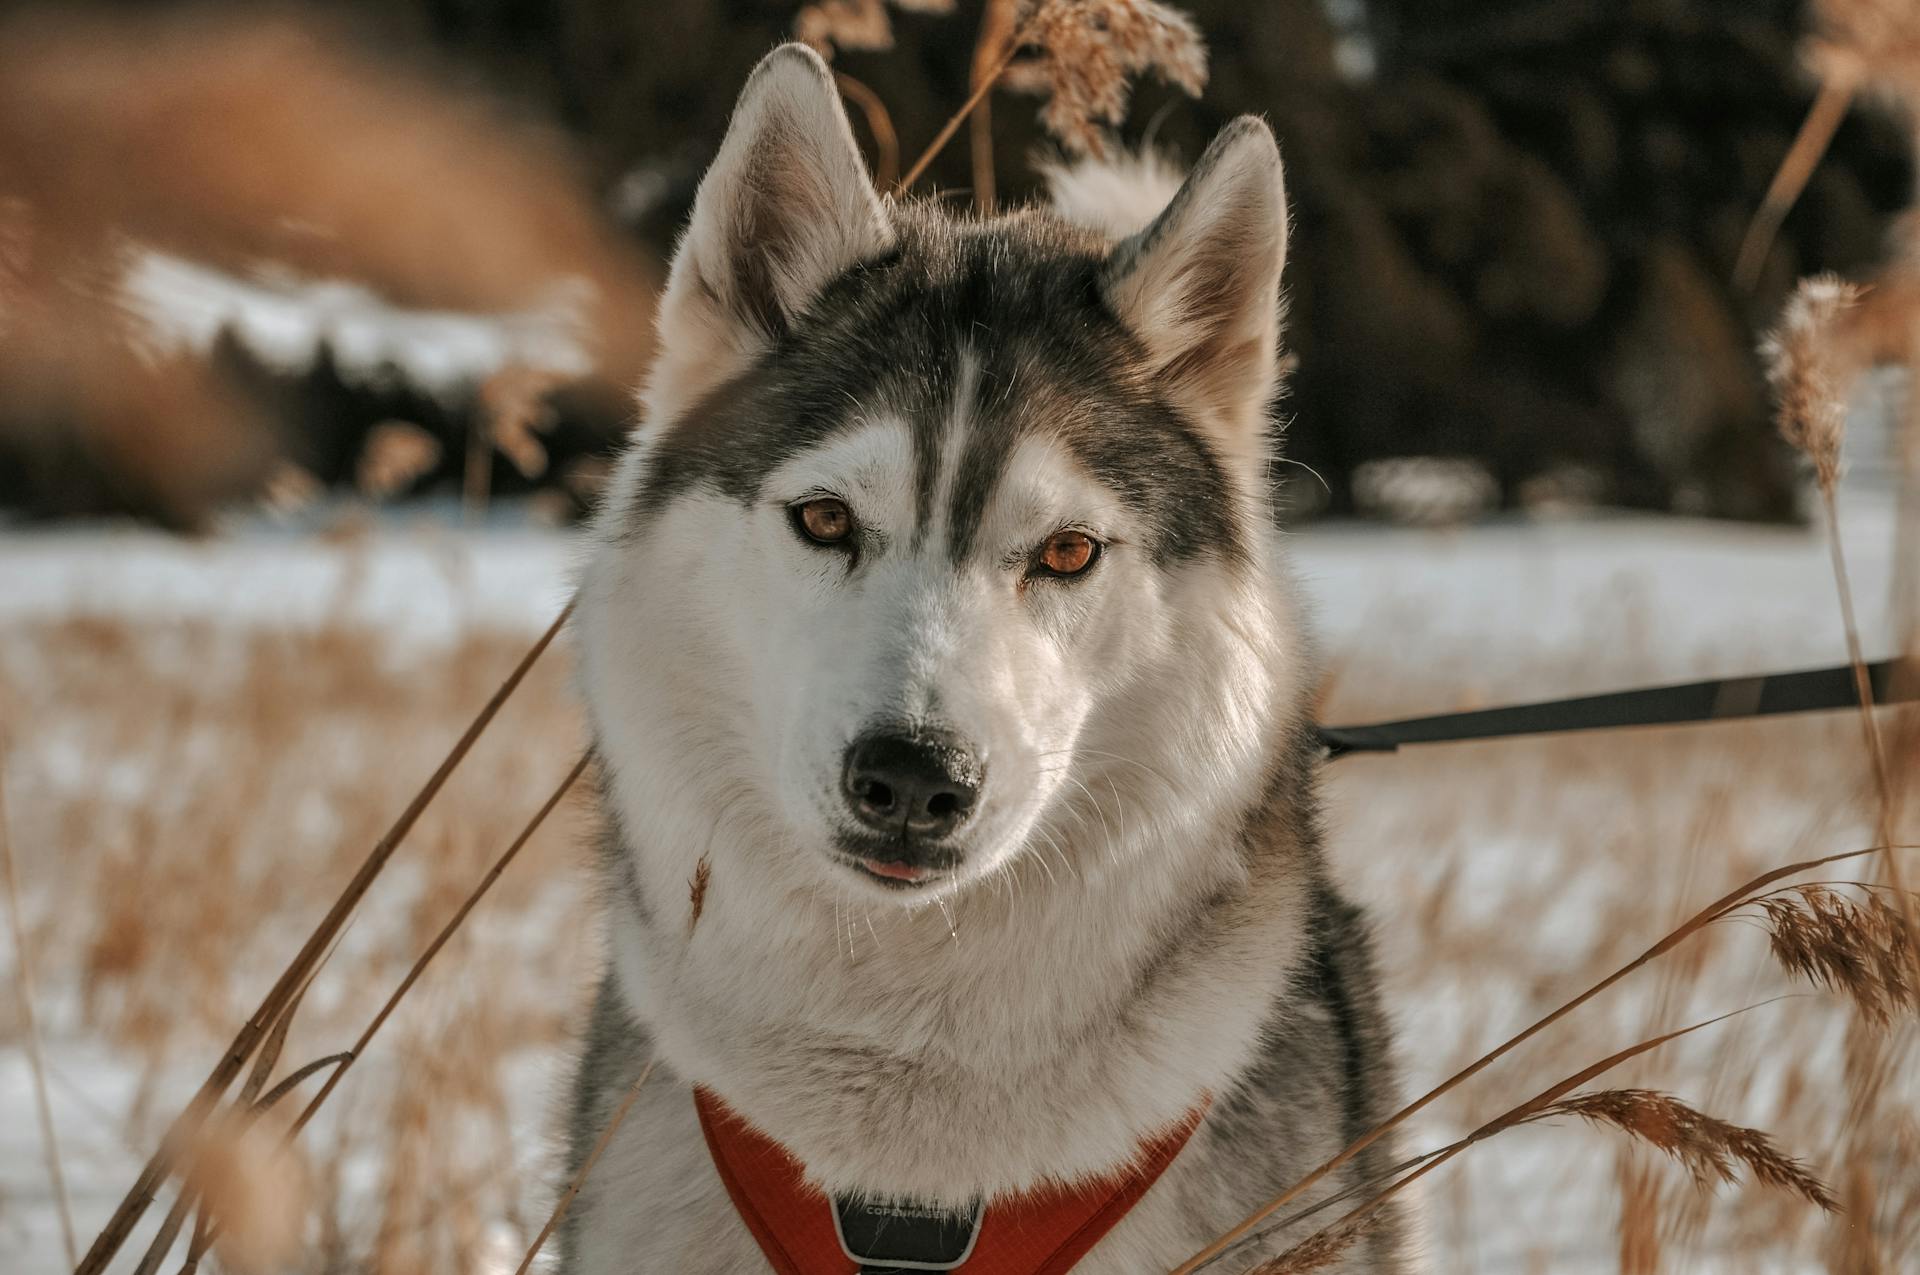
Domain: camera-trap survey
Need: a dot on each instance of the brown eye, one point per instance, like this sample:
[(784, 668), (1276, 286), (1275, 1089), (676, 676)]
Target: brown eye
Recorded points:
[(824, 521), (1068, 553)]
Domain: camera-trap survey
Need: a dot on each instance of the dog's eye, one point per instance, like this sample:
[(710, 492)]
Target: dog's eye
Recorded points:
[(824, 521), (1067, 553)]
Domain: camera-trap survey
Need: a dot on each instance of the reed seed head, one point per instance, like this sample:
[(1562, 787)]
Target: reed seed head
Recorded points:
[(1808, 374), (1317, 1251), (1709, 1148), (1862, 948), (859, 25), (1873, 42), (1082, 55)]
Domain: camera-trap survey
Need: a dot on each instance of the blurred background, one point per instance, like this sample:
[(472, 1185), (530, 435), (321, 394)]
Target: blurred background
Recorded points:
[(270, 250), (319, 324)]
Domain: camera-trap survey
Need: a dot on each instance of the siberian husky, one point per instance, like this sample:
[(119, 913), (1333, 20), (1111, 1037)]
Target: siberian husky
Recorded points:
[(951, 702)]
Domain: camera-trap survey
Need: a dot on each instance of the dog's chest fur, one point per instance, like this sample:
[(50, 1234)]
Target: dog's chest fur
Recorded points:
[(956, 1063)]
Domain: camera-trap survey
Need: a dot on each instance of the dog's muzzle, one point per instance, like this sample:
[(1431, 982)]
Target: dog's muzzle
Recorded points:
[(908, 794)]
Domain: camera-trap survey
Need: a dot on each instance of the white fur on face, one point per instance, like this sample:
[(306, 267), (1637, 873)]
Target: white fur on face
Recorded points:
[(792, 651), (1126, 721), (1006, 663)]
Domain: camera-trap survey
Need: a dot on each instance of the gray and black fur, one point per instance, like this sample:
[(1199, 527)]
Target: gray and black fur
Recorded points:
[(1137, 917)]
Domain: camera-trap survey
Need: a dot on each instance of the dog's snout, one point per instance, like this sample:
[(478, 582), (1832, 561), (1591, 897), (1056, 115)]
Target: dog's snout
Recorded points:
[(923, 784)]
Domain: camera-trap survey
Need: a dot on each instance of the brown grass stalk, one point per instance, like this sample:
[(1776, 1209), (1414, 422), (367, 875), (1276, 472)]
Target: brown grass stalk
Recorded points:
[(206, 1230), (565, 1201), (1724, 906), (36, 1057), (1317, 1251), (500, 865), (886, 141), (1089, 52), (476, 478), (998, 21), (1639, 1226), (1869, 724), (248, 1103), (1813, 380), (263, 1065), (183, 1206), (140, 1196), (1698, 1141), (202, 1241), (1813, 372), (348, 1057), (959, 117), (1829, 107)]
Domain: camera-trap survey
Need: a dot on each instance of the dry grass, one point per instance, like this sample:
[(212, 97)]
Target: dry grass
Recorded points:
[(256, 764), (195, 794), (190, 798), (1810, 374), (1862, 949), (1708, 1148), (1612, 838), (579, 1178), (29, 1024), (1082, 56), (855, 24)]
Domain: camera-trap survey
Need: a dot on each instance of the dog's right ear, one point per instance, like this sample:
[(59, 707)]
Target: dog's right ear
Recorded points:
[(786, 207), (1200, 287)]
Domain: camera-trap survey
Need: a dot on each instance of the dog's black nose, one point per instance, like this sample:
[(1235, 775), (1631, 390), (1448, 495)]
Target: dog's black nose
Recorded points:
[(923, 784)]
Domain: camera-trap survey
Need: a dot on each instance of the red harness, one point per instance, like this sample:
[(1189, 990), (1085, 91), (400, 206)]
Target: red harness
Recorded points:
[(1042, 1232)]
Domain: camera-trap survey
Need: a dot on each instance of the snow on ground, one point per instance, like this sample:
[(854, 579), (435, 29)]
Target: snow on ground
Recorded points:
[(287, 322), (1428, 620), (1706, 592)]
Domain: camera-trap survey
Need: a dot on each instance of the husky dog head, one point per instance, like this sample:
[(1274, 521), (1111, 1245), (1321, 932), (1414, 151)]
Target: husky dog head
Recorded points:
[(939, 529)]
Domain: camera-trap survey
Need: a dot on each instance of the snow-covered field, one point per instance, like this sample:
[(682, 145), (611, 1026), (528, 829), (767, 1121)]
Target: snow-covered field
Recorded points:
[(1502, 876)]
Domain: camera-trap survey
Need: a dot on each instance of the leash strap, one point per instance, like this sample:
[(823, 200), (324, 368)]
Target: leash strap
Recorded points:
[(1043, 1232), (1811, 690)]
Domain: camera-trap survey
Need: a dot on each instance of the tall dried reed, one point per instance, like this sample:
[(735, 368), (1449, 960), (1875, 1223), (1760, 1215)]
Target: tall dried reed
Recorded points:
[(36, 1055), (281, 996), (1082, 54), (1726, 906)]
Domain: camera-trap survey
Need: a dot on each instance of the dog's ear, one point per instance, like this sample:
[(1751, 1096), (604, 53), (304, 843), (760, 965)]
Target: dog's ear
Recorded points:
[(786, 206), (1200, 286)]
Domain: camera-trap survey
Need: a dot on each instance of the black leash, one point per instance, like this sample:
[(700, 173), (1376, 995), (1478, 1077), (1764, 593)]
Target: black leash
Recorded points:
[(1732, 697)]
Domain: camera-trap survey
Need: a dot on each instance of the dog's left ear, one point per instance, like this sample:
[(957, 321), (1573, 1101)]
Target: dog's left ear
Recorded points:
[(1200, 286), (786, 207)]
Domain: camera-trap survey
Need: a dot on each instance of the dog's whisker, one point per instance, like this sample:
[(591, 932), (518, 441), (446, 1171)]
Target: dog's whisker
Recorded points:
[(1053, 844), (1103, 755), (1095, 803)]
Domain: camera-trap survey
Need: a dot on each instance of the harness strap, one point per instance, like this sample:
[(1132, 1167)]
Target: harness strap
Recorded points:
[(1043, 1232), (1725, 699)]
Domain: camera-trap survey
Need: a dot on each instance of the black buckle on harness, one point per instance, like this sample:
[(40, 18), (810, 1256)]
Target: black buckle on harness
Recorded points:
[(904, 1235)]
